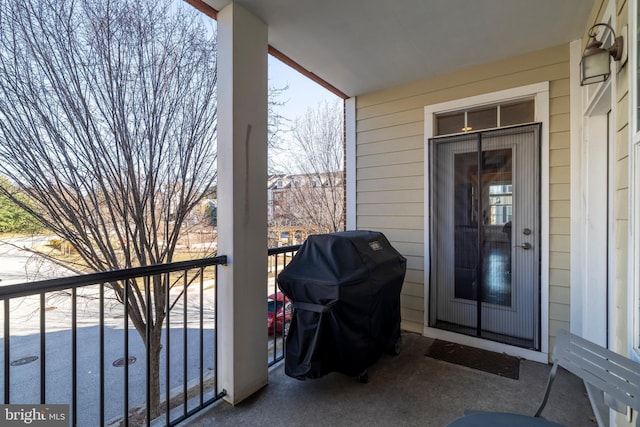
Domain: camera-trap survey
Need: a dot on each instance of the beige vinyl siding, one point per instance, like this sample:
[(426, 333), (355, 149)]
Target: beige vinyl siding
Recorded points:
[(559, 208), (390, 164)]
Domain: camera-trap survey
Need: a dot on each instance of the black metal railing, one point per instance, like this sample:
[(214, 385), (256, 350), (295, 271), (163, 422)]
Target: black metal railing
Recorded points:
[(278, 259), (72, 325)]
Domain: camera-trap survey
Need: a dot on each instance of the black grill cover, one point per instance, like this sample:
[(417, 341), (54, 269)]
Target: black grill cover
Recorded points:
[(345, 288)]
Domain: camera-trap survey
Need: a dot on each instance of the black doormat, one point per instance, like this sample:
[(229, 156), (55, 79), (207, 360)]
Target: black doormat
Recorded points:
[(483, 360)]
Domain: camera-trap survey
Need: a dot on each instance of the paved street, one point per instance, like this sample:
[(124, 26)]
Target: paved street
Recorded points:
[(18, 265)]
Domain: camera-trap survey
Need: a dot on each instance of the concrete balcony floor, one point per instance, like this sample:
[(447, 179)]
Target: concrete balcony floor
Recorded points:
[(410, 389)]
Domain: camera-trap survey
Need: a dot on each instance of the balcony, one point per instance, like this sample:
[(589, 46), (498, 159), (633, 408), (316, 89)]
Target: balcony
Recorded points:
[(69, 341), (410, 389)]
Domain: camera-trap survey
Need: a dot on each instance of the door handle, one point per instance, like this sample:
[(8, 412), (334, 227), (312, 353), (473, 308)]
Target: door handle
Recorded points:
[(525, 245)]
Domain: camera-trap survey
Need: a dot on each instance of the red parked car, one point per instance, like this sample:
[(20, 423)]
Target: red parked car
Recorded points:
[(279, 312)]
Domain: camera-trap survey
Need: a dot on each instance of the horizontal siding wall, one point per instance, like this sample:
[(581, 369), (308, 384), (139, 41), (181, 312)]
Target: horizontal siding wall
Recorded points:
[(390, 165), (559, 207), (624, 290)]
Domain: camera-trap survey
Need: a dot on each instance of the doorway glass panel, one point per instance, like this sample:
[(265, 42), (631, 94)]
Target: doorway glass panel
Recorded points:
[(495, 222), (482, 119), (450, 123), (516, 113)]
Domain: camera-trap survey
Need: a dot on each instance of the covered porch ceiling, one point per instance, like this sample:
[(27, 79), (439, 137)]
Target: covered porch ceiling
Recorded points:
[(361, 46)]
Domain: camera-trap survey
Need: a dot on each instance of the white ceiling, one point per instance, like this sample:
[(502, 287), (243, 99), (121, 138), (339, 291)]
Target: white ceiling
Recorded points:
[(360, 46)]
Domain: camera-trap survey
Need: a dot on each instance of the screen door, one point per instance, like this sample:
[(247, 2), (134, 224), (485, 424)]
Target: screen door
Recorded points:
[(485, 231)]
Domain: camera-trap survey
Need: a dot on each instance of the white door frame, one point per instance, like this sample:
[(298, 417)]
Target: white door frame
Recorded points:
[(540, 92), (592, 221), (592, 227)]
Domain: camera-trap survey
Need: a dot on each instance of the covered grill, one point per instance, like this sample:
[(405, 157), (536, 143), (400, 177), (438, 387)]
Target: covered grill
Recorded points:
[(345, 288)]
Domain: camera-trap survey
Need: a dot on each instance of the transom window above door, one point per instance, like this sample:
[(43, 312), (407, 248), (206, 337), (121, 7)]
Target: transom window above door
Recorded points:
[(485, 117)]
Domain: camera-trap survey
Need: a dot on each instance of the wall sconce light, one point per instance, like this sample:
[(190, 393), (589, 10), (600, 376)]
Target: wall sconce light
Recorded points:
[(595, 65)]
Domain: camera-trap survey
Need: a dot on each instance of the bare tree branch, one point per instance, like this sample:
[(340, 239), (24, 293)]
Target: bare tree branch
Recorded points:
[(108, 125), (316, 173)]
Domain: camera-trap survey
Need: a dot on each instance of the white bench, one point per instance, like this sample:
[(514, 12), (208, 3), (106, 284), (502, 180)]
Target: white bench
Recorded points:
[(605, 373)]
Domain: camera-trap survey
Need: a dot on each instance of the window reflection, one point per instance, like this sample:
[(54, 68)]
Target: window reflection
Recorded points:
[(482, 119), (519, 112), (495, 116), (449, 123)]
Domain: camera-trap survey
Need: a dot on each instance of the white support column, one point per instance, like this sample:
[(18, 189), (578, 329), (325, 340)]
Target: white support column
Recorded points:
[(242, 202), (350, 137)]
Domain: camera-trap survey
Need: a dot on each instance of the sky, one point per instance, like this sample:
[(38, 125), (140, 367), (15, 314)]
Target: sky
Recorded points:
[(303, 93)]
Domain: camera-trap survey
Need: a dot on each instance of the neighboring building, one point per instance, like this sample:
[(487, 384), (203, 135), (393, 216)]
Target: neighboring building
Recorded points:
[(306, 202)]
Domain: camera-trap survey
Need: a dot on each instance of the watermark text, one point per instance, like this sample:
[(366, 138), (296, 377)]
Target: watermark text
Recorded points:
[(34, 415)]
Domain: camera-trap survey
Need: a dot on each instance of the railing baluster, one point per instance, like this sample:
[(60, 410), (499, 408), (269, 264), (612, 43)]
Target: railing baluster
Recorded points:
[(74, 357), (168, 350), (184, 343), (7, 351), (147, 298), (215, 332), (275, 289), (201, 346), (43, 356), (102, 354), (126, 353)]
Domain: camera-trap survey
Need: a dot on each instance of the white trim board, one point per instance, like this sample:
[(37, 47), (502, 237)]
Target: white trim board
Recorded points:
[(593, 166), (633, 305)]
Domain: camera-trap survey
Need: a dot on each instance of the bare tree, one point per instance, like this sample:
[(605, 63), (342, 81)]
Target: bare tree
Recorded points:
[(316, 181), (108, 125), (277, 124), (276, 121)]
